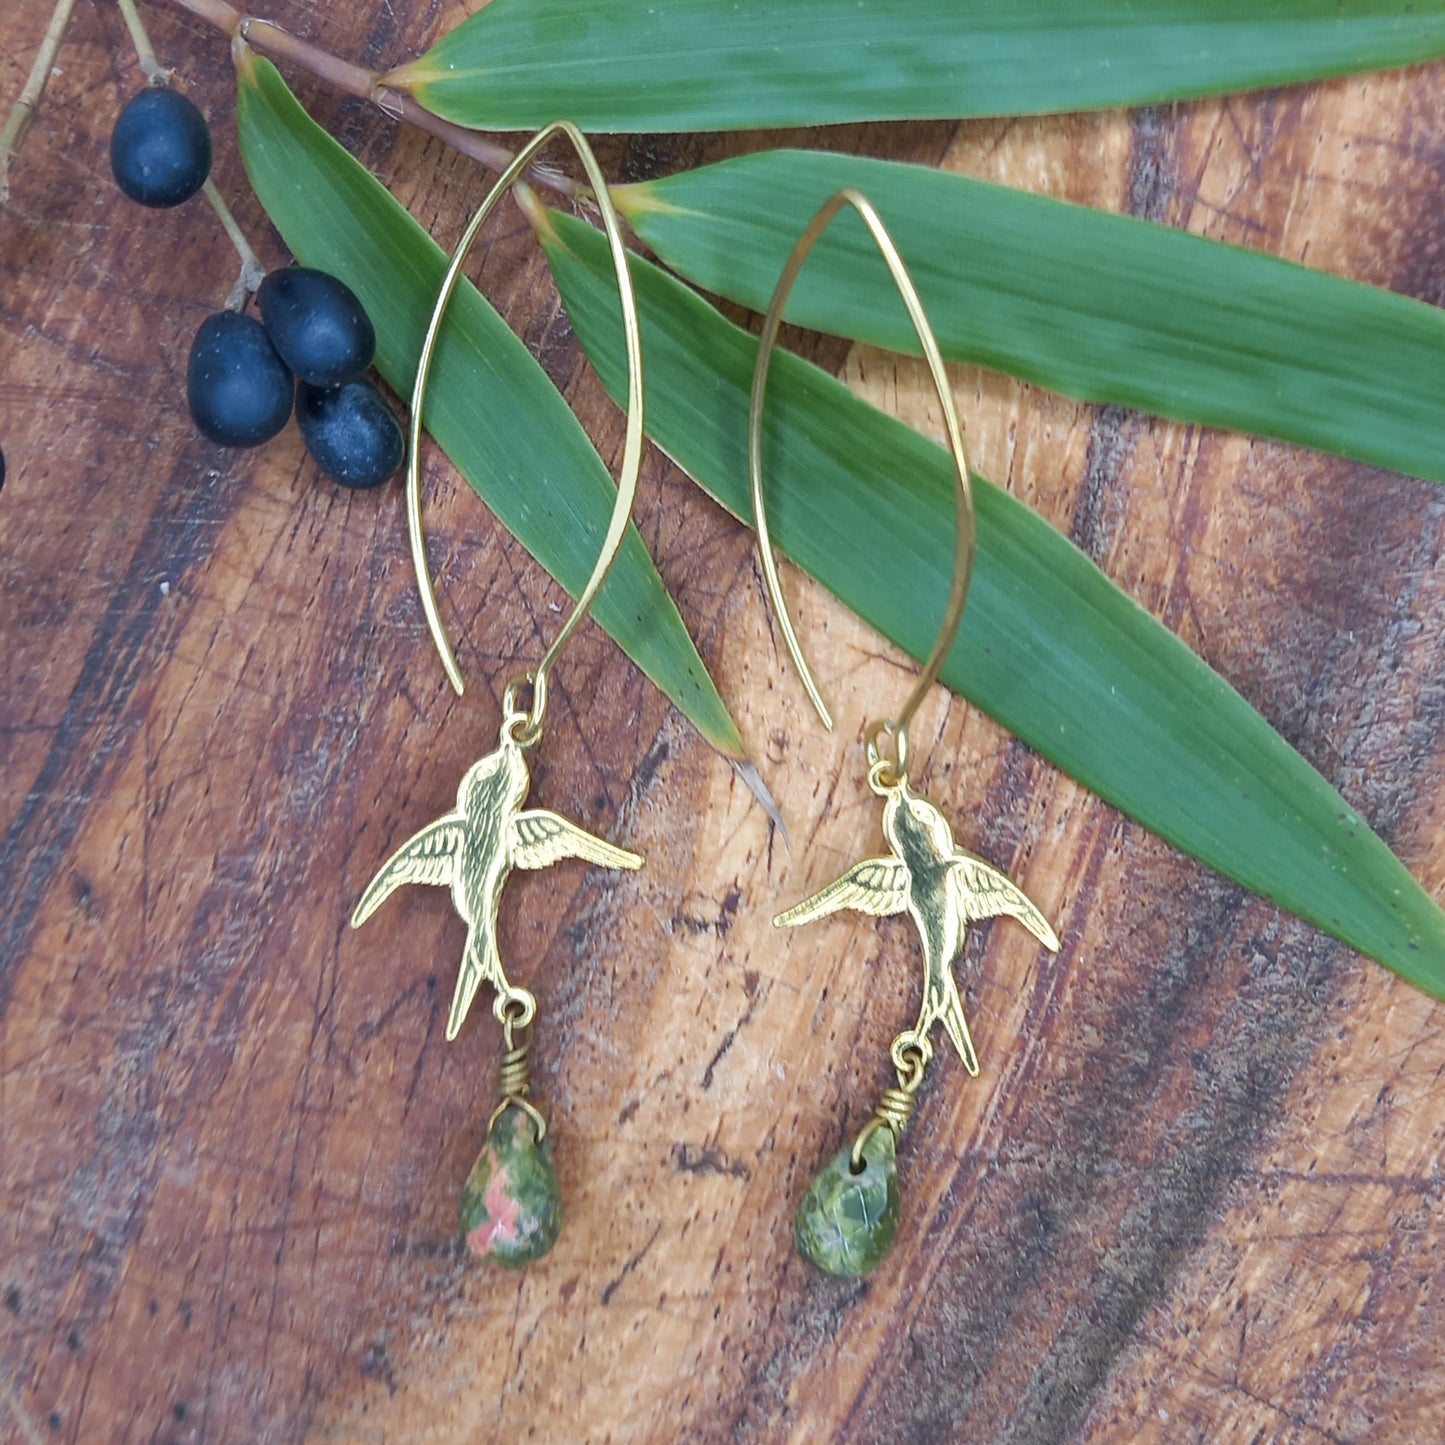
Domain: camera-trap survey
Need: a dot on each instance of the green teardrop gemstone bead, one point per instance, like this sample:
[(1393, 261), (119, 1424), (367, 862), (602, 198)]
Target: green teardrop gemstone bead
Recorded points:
[(511, 1208), (847, 1222)]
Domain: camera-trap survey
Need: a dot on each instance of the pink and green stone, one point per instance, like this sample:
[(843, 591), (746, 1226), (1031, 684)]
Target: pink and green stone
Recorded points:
[(511, 1208), (847, 1222)]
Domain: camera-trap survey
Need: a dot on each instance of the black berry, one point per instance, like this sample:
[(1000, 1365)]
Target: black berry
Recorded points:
[(317, 324), (351, 432), (160, 149), (239, 389)]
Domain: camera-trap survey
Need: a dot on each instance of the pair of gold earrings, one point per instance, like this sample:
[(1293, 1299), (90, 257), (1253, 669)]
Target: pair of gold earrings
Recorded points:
[(511, 1208)]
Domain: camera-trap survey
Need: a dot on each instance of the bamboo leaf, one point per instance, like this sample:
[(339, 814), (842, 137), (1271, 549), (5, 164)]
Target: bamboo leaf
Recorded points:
[(1049, 646), (617, 65), (490, 405), (1101, 307)]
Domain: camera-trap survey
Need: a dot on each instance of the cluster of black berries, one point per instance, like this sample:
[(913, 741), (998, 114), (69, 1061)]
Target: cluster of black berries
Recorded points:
[(243, 375)]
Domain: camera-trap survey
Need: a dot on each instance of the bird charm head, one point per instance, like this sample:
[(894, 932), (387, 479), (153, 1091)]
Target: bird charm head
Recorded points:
[(914, 825), (500, 777)]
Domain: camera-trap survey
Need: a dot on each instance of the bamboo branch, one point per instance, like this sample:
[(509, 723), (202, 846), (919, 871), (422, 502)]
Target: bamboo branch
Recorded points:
[(367, 85), (154, 72)]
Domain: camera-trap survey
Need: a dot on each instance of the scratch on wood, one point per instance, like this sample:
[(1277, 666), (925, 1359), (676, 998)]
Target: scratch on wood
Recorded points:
[(611, 1289)]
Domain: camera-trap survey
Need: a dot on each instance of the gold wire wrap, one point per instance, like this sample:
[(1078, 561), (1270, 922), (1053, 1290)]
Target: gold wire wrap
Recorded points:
[(516, 1009), (514, 1071), (895, 1108), (632, 447), (965, 530)]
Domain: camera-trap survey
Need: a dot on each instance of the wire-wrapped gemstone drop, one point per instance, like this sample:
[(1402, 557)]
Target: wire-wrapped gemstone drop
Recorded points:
[(511, 1207), (846, 1222)]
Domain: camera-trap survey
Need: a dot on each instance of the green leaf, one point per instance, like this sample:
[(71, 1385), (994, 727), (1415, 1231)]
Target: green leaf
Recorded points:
[(620, 65), (1100, 307), (489, 405), (1049, 646)]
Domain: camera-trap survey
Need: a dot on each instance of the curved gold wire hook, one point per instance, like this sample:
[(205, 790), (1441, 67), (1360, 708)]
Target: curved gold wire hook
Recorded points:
[(966, 531), (632, 448)]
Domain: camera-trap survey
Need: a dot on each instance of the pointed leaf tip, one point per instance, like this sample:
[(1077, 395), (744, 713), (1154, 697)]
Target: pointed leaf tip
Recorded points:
[(619, 66), (489, 403)]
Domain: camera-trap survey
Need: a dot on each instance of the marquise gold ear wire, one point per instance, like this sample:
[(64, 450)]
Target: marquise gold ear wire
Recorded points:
[(511, 1209), (848, 1219)]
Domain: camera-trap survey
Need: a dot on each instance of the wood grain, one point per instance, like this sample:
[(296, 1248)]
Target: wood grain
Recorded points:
[(1196, 1193)]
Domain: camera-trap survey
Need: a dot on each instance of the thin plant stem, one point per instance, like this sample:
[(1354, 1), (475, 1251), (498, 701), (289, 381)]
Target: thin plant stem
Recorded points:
[(154, 72), (367, 85), (252, 271), (23, 111)]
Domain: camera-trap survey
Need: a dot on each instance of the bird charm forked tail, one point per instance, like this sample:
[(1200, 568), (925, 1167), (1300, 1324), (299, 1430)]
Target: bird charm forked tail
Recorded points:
[(473, 851), (943, 888)]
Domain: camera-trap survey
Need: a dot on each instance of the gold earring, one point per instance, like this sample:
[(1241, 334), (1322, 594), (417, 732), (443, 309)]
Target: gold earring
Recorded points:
[(848, 1219), (511, 1209)]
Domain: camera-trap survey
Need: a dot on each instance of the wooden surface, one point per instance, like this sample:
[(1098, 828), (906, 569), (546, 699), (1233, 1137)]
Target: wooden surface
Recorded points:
[(1196, 1193)]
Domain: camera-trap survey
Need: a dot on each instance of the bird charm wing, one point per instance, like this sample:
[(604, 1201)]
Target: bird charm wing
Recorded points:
[(538, 838), (984, 892), (430, 857), (878, 886)]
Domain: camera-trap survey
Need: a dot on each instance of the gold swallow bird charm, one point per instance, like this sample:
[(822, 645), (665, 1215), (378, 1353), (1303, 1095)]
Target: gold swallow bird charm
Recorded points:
[(473, 851), (943, 888)]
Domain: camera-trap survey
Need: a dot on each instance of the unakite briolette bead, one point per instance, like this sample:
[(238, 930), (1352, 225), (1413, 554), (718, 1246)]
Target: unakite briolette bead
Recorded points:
[(511, 1208), (847, 1222)]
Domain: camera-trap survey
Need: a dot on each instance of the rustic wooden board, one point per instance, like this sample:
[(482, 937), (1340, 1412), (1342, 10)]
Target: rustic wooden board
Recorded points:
[(1196, 1193)]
